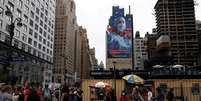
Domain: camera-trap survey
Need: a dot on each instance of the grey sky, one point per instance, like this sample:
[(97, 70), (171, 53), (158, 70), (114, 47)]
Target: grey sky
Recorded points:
[(94, 15)]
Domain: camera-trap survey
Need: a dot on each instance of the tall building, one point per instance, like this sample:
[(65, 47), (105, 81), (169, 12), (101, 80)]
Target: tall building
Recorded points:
[(140, 53), (94, 61), (176, 18), (119, 36), (85, 55), (150, 43), (32, 45), (65, 35), (198, 29)]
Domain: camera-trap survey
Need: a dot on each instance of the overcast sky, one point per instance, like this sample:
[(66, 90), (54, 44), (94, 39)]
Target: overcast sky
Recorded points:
[(94, 14)]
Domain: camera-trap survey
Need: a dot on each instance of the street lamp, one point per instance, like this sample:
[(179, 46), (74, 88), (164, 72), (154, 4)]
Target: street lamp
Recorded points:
[(10, 29), (114, 69)]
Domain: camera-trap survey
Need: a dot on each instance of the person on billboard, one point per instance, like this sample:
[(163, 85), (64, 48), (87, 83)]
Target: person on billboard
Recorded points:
[(119, 38)]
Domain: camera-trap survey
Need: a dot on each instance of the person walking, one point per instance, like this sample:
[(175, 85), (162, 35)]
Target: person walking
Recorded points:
[(170, 95), (123, 96)]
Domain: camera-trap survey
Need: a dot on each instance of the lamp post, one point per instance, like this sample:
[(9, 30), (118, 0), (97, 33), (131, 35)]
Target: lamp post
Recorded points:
[(114, 69), (10, 29)]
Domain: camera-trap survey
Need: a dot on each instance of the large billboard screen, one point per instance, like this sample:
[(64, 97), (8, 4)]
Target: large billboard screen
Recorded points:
[(119, 37)]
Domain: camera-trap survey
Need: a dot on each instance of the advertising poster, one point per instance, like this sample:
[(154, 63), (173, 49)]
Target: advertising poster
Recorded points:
[(119, 38)]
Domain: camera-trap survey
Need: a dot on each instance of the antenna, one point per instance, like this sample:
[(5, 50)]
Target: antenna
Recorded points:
[(129, 9)]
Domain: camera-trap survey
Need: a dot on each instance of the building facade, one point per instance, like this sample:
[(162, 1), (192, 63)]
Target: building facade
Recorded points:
[(140, 53), (65, 35), (86, 63), (198, 29), (32, 45), (94, 61), (176, 18)]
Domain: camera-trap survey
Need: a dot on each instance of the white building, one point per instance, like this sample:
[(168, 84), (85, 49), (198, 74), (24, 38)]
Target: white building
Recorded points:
[(35, 38), (140, 53)]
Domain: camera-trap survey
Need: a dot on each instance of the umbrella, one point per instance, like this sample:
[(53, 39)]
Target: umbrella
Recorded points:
[(133, 79), (100, 85)]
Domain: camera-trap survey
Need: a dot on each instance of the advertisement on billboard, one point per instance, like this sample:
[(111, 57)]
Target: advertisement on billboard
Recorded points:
[(119, 37)]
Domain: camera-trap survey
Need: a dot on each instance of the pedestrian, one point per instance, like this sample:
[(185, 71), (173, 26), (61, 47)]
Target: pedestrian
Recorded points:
[(27, 91), (40, 93), (149, 94), (34, 96), (65, 94), (47, 93), (123, 96), (7, 93), (170, 95)]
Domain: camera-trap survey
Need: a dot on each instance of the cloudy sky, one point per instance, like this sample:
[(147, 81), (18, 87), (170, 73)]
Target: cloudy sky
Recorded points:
[(94, 15)]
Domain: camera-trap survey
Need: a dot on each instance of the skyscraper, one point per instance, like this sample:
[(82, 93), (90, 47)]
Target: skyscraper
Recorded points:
[(33, 42), (140, 53), (176, 18), (65, 35)]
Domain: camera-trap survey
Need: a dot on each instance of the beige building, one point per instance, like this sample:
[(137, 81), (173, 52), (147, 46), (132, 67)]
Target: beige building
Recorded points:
[(65, 35), (85, 55), (94, 61)]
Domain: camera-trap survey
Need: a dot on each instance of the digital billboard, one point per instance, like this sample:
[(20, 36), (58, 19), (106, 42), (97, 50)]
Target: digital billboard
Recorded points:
[(119, 37)]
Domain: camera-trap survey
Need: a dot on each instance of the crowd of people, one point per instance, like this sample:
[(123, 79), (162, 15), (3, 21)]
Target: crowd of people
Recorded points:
[(38, 93)]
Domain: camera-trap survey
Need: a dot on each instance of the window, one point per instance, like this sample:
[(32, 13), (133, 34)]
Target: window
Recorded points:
[(35, 35), (35, 44), (40, 38), (41, 15), (39, 46), (24, 37), (42, 7), (46, 12), (1, 23), (17, 33), (32, 14), (41, 22), (44, 41), (43, 48), (48, 51), (30, 31), (31, 23), (45, 27), (46, 19), (36, 27), (37, 19), (41, 31), (30, 41), (32, 5), (44, 34), (37, 11), (26, 9), (11, 6), (29, 49), (25, 18), (23, 46), (25, 28), (16, 43), (48, 37), (48, 43)]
